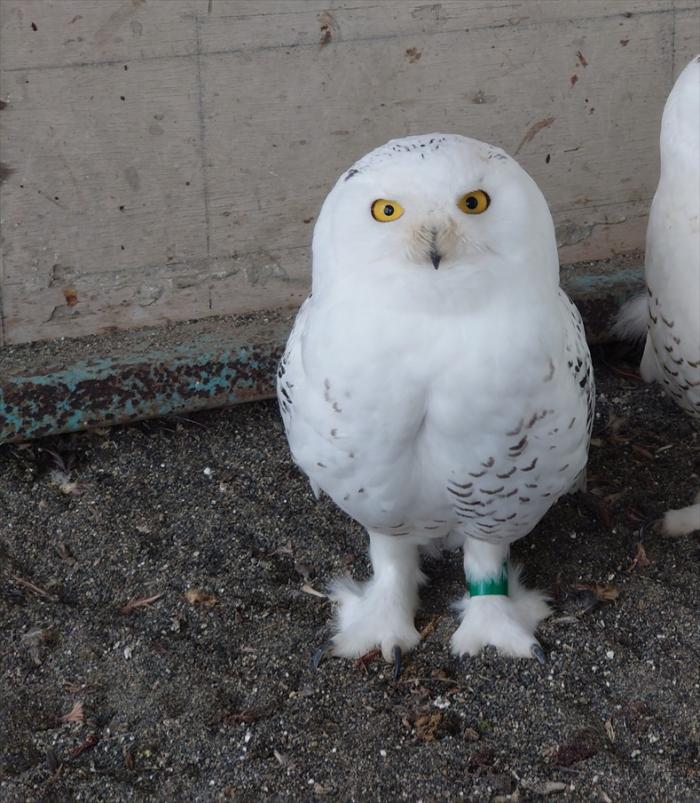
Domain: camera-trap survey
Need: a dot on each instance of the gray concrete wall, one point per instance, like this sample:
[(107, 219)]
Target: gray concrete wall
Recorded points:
[(164, 159)]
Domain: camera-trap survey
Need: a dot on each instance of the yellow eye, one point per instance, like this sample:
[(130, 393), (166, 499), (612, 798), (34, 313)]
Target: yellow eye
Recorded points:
[(384, 211), (474, 202)]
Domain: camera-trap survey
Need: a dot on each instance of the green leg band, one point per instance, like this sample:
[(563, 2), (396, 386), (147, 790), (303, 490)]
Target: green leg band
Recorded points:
[(490, 586)]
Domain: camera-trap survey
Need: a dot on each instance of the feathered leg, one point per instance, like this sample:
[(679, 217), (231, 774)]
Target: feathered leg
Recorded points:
[(380, 612), (498, 609), (683, 521)]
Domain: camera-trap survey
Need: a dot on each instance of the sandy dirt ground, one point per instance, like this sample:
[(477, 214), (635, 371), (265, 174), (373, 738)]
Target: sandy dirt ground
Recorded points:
[(162, 589)]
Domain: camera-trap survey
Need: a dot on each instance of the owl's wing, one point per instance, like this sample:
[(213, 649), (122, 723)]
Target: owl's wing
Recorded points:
[(580, 366), (289, 377), (672, 351), (290, 365)]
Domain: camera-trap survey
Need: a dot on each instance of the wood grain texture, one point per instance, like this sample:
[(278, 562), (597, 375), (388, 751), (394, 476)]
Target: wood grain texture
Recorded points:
[(165, 160)]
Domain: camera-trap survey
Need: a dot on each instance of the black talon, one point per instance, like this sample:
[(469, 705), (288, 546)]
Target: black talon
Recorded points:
[(396, 652), (537, 652), (320, 654)]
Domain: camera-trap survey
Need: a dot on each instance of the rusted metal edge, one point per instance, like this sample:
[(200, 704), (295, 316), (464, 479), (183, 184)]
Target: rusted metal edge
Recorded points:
[(213, 369), (217, 365)]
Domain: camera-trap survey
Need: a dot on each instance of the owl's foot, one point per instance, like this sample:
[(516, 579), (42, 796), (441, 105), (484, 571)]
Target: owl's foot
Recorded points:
[(378, 613), (505, 620), (683, 521)]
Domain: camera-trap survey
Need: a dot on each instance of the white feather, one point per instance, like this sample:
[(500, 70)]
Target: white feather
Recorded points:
[(632, 320)]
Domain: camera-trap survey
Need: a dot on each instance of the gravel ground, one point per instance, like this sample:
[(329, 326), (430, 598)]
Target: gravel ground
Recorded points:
[(200, 688)]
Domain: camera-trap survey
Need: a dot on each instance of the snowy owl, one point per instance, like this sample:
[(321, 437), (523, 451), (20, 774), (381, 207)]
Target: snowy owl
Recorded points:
[(437, 384), (669, 312)]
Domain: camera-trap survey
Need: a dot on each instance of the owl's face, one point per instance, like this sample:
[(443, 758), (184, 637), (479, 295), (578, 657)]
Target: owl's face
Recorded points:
[(421, 208)]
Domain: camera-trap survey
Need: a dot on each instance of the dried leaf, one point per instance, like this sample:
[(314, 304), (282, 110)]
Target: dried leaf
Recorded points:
[(237, 717), (73, 688), (602, 591), (76, 714), (366, 659), (582, 746), (88, 744), (428, 629), (35, 589), (196, 596), (640, 450), (307, 589), (129, 758), (640, 558), (139, 602), (609, 730), (427, 725)]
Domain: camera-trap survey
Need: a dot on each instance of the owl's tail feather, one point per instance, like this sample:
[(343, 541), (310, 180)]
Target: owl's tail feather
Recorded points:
[(632, 320)]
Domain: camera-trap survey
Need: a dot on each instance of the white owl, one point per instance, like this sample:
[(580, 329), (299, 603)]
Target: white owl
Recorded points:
[(437, 383), (669, 313)]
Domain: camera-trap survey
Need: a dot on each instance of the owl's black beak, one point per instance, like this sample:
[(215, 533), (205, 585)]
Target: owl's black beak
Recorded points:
[(435, 255)]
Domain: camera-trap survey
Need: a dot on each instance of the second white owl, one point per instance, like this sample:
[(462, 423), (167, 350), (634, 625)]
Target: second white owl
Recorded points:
[(669, 313), (437, 383)]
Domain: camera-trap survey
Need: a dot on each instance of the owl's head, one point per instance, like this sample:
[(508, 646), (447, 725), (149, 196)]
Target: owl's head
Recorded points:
[(435, 211)]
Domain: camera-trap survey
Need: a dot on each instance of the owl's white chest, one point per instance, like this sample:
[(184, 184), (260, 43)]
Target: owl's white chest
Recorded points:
[(444, 422)]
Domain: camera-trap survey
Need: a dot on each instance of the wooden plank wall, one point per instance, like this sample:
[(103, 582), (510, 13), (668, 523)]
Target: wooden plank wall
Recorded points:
[(164, 159)]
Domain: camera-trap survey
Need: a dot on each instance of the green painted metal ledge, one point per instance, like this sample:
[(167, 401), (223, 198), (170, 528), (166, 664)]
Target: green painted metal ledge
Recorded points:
[(69, 385), (50, 388)]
